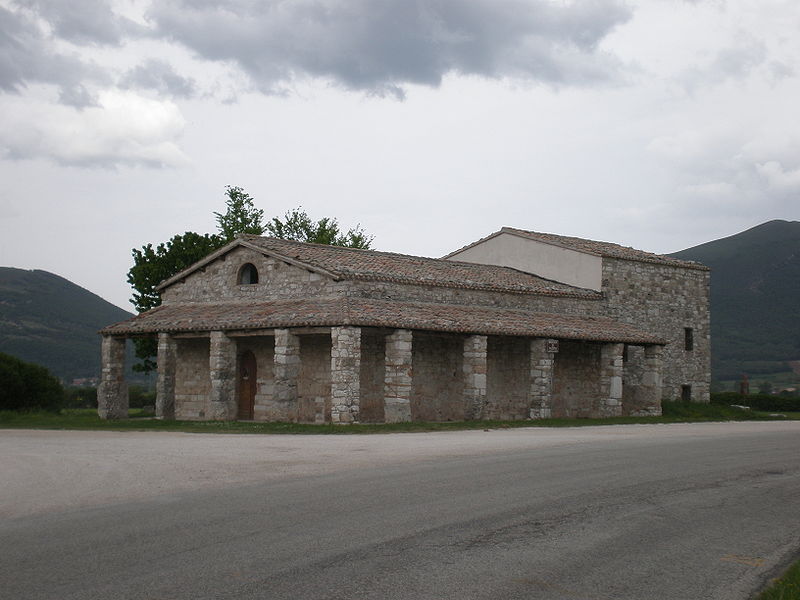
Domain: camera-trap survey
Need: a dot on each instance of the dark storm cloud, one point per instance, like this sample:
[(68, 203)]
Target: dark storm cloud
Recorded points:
[(27, 56), (83, 22), (381, 45), (159, 75)]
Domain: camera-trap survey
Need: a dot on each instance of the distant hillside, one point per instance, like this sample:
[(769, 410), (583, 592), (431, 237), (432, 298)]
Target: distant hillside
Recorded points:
[(50, 321), (755, 298)]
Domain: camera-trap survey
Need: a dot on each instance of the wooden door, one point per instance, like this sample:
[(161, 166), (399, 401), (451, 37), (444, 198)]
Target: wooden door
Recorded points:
[(248, 382)]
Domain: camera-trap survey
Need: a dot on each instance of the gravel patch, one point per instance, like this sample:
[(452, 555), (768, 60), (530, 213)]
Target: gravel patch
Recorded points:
[(48, 471)]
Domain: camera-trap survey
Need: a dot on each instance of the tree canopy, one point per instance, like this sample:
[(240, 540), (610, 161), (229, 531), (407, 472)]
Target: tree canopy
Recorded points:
[(152, 265), (297, 225), (240, 217)]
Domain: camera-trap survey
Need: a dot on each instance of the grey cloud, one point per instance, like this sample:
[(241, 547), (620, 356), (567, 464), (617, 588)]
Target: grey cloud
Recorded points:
[(77, 95), (26, 56), (83, 22), (734, 62), (159, 75), (379, 46)]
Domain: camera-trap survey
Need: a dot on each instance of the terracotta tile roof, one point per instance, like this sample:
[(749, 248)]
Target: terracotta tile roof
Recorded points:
[(201, 317), (372, 265), (605, 249)]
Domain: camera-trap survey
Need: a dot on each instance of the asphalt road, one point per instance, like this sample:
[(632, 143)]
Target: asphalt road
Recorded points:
[(661, 516)]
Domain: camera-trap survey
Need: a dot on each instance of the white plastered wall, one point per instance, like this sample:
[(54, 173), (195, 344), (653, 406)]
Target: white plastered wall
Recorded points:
[(531, 256)]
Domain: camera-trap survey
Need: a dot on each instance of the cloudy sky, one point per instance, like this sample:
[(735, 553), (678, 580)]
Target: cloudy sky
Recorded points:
[(658, 124)]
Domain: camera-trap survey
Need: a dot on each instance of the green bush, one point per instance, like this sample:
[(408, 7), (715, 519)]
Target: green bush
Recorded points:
[(766, 402), (139, 397), (28, 387), (86, 397), (80, 397)]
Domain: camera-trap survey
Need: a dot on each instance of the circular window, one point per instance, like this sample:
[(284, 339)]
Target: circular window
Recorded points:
[(248, 274)]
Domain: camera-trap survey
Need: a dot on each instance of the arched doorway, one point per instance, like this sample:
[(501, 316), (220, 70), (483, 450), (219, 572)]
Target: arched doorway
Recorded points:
[(248, 381)]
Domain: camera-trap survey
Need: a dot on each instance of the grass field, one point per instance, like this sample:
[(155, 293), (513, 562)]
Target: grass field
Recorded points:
[(87, 419), (786, 587)]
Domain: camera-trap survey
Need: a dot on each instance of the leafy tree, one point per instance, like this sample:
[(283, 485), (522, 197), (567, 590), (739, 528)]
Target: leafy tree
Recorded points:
[(151, 266), (27, 386), (298, 226), (241, 216), (765, 387)]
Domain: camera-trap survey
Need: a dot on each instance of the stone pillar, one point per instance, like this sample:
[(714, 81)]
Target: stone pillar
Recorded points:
[(541, 394), (651, 387), (165, 386), (112, 393), (222, 370), (397, 380), (287, 372), (611, 369), (474, 367), (345, 374)]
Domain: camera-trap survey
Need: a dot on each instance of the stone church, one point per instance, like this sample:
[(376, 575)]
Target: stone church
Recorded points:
[(518, 325)]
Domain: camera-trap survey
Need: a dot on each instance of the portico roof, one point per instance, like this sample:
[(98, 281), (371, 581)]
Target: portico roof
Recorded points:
[(363, 312)]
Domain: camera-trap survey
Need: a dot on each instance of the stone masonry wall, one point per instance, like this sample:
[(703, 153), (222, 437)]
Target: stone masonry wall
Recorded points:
[(192, 382), (508, 378), (576, 380), (664, 300), (314, 385), (218, 281), (474, 367), (611, 375), (381, 290), (398, 378), (437, 389), (541, 379), (112, 393), (373, 366), (345, 374), (287, 374)]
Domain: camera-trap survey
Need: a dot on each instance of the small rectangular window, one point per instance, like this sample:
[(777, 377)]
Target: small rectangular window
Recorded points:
[(688, 338), (686, 393)]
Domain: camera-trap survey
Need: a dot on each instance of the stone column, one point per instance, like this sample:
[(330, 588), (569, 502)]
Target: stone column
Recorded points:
[(165, 386), (651, 387), (397, 380), (474, 367), (611, 369), (222, 370), (345, 374), (541, 394), (112, 393), (287, 372)]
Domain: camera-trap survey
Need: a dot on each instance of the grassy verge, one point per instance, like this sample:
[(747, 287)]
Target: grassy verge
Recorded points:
[(87, 419), (787, 587)]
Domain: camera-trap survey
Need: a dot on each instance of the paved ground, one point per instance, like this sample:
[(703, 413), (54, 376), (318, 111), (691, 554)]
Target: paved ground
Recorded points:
[(656, 511)]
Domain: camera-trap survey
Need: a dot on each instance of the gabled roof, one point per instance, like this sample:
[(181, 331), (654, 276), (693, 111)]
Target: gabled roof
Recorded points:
[(363, 312), (595, 248), (371, 265)]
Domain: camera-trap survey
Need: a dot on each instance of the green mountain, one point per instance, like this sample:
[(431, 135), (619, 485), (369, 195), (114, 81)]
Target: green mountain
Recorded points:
[(48, 320), (755, 299)]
